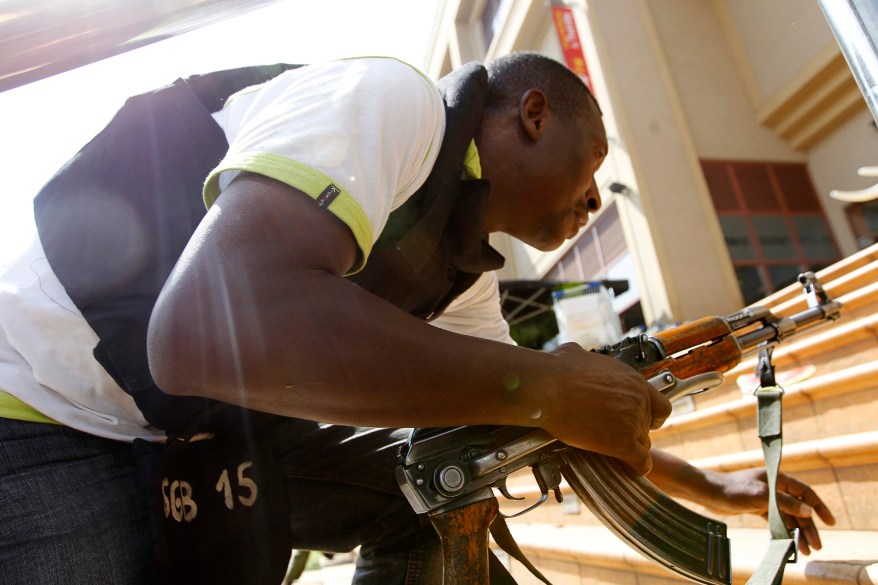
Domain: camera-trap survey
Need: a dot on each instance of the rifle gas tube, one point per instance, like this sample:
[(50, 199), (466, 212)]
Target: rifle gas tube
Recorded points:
[(444, 470)]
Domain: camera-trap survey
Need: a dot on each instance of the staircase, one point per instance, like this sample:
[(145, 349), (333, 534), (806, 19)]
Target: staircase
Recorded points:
[(830, 378)]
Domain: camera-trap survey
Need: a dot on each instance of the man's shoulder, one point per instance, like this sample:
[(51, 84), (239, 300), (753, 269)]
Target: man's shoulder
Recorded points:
[(389, 70), (363, 77)]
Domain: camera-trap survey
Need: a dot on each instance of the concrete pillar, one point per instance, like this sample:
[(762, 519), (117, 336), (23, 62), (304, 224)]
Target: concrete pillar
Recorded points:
[(667, 214)]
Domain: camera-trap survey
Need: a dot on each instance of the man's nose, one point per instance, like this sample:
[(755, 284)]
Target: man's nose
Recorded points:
[(593, 200)]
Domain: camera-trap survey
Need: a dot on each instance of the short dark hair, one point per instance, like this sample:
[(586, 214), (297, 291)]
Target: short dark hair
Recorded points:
[(510, 76)]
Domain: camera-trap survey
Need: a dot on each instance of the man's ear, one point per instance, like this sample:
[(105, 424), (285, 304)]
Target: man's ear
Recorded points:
[(533, 110)]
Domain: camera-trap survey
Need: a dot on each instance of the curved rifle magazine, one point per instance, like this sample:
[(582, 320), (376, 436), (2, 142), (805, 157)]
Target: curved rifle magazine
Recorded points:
[(649, 521)]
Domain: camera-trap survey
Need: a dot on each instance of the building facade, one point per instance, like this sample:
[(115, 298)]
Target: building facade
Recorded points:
[(729, 121)]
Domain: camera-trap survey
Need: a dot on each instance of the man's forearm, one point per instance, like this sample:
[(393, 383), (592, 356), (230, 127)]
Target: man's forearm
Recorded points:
[(248, 319), (676, 477), (367, 363), (257, 313)]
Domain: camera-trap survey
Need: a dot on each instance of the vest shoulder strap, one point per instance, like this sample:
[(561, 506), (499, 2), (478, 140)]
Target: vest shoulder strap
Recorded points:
[(116, 217)]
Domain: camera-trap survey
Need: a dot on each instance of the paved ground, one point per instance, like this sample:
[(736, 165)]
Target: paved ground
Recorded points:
[(333, 575), (338, 571)]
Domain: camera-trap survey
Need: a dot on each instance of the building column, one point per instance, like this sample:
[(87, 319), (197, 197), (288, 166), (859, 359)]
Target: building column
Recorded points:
[(666, 211)]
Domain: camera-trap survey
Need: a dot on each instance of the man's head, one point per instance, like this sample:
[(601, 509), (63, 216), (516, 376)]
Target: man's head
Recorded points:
[(540, 143)]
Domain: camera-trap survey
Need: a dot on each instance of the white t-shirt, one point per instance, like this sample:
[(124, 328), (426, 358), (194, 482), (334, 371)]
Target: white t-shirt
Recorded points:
[(360, 135), (370, 127), (46, 356), (397, 135)]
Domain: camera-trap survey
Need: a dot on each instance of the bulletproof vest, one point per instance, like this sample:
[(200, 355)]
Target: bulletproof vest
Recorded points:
[(115, 218)]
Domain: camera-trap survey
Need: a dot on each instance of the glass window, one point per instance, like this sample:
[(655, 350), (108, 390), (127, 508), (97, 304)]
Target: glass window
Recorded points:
[(784, 275), (601, 244), (814, 236), (612, 238), (490, 15), (569, 269), (870, 216), (864, 221), (750, 281), (774, 237), (590, 261), (773, 223), (737, 239)]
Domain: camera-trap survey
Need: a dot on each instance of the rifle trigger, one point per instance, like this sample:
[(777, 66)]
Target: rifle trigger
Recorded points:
[(543, 498), (501, 486)]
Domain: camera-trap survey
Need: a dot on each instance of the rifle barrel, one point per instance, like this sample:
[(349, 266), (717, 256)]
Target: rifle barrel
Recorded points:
[(778, 330)]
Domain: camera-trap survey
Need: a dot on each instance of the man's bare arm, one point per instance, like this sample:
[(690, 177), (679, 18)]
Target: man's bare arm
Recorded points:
[(742, 492), (257, 313)]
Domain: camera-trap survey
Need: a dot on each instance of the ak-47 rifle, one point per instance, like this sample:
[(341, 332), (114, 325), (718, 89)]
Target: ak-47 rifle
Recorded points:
[(449, 473)]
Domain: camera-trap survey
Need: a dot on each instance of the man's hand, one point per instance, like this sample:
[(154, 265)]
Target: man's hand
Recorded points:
[(746, 491), (600, 404)]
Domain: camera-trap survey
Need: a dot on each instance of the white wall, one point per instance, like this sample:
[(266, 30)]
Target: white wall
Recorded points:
[(779, 37), (672, 226), (715, 101), (834, 163), (682, 80)]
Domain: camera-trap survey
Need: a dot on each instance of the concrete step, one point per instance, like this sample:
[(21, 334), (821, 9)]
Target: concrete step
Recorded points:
[(589, 555), (840, 402), (844, 286), (830, 273), (843, 470), (829, 348), (830, 442)]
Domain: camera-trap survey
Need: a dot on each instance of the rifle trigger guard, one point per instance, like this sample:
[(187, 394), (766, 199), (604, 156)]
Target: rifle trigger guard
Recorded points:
[(501, 487), (543, 498), (673, 387)]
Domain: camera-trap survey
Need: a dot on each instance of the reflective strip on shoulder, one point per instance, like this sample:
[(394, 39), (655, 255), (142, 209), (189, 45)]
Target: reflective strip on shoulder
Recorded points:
[(13, 408), (325, 192)]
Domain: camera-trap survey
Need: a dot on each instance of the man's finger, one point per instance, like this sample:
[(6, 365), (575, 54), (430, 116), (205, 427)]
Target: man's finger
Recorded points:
[(824, 513), (808, 535), (793, 506), (804, 494), (660, 408), (638, 458)]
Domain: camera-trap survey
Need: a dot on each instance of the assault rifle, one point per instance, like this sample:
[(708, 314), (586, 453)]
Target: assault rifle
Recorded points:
[(450, 473)]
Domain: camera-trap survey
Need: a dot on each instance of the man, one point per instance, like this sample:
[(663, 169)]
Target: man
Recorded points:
[(351, 206)]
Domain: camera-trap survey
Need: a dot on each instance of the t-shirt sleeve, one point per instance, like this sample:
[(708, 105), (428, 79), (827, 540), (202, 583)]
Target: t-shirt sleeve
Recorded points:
[(477, 312), (359, 136)]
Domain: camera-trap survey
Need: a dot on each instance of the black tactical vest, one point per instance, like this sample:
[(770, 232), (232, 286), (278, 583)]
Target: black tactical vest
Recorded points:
[(116, 217)]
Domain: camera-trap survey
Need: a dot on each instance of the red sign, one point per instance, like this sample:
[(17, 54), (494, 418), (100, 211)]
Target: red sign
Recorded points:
[(565, 25)]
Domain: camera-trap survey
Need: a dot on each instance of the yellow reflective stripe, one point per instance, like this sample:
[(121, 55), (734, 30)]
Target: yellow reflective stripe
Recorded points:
[(471, 162), (306, 179), (13, 408)]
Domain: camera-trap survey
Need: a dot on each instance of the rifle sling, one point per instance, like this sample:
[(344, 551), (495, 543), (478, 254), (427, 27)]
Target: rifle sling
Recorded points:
[(503, 538), (783, 545)]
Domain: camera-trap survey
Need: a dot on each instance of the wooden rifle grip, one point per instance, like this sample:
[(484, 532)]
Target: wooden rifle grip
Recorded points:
[(690, 335), (464, 535), (720, 356)]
